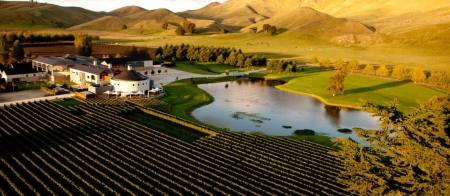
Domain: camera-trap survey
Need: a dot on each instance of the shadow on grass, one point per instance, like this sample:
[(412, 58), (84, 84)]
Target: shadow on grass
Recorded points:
[(375, 87)]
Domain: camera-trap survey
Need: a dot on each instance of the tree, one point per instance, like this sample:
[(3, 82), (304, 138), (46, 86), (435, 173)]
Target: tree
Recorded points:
[(240, 60), (352, 65), (417, 75), (409, 155), (180, 31), (144, 52), (336, 83), (272, 30), (382, 70), (17, 51), (4, 52), (83, 44), (339, 64), (271, 65), (132, 51), (165, 25), (223, 31), (314, 60), (189, 27), (253, 30), (445, 80), (118, 55), (248, 62), (399, 71), (326, 62), (220, 59), (435, 77), (368, 69), (124, 27)]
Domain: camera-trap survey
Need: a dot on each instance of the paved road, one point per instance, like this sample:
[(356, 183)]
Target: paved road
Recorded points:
[(36, 95)]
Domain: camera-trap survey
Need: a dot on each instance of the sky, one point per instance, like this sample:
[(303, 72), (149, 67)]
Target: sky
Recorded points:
[(109, 5)]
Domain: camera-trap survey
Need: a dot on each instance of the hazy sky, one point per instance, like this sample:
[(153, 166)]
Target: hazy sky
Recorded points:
[(109, 5)]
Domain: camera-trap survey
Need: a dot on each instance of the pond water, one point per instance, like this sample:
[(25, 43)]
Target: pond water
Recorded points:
[(256, 106)]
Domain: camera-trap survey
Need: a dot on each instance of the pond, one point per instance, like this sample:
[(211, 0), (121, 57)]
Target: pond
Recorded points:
[(256, 106)]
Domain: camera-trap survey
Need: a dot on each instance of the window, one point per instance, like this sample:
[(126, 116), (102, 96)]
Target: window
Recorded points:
[(26, 75), (34, 74), (77, 73), (93, 77), (138, 84), (87, 77), (133, 84)]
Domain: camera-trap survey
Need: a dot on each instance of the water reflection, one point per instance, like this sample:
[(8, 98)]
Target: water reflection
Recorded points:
[(333, 113), (257, 99)]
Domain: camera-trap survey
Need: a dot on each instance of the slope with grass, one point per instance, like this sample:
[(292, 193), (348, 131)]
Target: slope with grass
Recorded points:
[(314, 81), (17, 14)]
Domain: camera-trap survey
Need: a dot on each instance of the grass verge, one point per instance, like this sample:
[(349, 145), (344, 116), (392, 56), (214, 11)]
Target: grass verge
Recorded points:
[(208, 68)]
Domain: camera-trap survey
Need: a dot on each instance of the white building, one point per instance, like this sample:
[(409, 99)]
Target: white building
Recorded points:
[(130, 81), (85, 74)]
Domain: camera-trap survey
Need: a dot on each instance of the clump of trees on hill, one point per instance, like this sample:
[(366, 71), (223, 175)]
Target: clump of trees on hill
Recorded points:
[(269, 29), (135, 52), (186, 27), (230, 56)]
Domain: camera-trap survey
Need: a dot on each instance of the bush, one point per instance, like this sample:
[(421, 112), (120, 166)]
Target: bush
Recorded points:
[(345, 130), (304, 132)]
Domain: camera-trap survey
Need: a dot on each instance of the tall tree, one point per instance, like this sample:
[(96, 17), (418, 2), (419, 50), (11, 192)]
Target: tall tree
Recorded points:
[(399, 71), (4, 52), (314, 60), (271, 65), (180, 31), (220, 59), (409, 155), (417, 75), (248, 62), (336, 83), (352, 65), (165, 25), (382, 70), (445, 80), (339, 64), (17, 51), (189, 27), (132, 51), (326, 62), (368, 69), (83, 44), (435, 78)]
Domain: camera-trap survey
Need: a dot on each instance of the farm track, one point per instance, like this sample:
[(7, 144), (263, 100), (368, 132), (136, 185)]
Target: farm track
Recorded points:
[(48, 150)]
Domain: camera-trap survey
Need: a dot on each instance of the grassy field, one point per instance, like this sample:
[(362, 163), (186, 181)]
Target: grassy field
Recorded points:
[(302, 47), (314, 81), (202, 68)]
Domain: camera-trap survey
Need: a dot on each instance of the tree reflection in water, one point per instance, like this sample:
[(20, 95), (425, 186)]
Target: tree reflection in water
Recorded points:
[(333, 114)]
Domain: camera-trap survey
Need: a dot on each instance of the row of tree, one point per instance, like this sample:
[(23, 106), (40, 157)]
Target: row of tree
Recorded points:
[(34, 37), (416, 74), (230, 56), (281, 66)]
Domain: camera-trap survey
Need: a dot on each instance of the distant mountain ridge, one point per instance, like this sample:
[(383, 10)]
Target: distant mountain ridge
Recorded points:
[(341, 21)]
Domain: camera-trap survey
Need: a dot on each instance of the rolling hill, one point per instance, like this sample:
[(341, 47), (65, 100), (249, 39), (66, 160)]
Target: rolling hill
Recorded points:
[(22, 14)]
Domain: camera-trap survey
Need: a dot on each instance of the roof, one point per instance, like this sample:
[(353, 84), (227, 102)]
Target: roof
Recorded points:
[(125, 60), (21, 68), (54, 61), (89, 69), (129, 75)]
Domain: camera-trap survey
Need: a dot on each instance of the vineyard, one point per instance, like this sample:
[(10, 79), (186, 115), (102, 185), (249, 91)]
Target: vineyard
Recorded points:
[(48, 149)]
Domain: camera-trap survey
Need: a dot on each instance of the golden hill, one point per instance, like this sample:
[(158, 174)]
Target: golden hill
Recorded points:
[(14, 13), (127, 10)]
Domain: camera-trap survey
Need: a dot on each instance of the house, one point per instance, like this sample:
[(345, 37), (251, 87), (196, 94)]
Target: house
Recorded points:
[(84, 74), (121, 64), (131, 81), (21, 72), (58, 68)]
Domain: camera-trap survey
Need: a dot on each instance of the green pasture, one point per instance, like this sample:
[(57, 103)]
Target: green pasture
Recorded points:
[(314, 82), (302, 47), (185, 97), (201, 67)]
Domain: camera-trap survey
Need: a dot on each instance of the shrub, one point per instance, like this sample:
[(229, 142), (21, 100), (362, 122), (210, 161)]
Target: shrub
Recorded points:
[(345, 130), (304, 132)]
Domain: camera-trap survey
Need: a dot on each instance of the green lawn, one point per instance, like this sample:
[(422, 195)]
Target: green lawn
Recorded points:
[(185, 97), (314, 82), (202, 68)]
